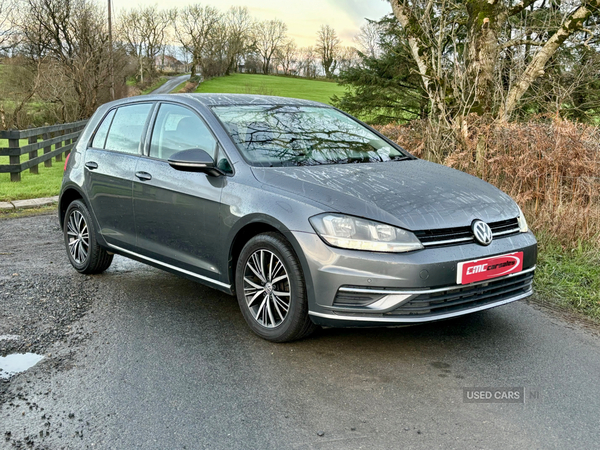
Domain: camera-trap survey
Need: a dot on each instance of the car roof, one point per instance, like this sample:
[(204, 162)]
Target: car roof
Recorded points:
[(221, 100), (248, 99)]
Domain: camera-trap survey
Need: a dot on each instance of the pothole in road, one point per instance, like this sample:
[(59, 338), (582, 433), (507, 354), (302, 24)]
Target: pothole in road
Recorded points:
[(16, 363)]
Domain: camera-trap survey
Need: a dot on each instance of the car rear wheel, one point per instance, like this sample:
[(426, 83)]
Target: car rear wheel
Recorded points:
[(85, 255), (271, 291)]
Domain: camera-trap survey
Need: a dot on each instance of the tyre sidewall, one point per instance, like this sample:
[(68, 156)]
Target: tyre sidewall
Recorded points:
[(80, 206), (288, 329)]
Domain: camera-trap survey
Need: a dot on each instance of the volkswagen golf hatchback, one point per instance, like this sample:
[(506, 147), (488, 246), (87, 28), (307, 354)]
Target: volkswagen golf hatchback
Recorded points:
[(308, 216)]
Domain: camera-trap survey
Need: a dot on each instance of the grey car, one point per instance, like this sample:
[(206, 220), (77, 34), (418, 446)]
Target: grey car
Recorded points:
[(308, 216)]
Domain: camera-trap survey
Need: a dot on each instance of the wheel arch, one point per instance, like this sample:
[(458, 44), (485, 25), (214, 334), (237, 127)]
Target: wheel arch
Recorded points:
[(255, 225), (68, 196)]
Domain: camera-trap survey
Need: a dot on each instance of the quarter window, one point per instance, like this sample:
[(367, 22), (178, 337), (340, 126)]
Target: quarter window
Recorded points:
[(125, 132), (102, 131), (176, 129)]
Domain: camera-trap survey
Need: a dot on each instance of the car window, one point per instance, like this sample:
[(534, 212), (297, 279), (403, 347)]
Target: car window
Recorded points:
[(126, 129), (178, 128), (102, 131)]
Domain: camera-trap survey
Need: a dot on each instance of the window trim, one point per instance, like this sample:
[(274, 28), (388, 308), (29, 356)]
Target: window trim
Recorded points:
[(150, 130), (142, 136)]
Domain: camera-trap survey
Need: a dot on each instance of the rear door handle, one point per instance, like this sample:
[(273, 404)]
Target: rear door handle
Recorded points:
[(91, 165), (144, 176)]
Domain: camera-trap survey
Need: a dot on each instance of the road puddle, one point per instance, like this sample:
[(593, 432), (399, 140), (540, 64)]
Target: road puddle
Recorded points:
[(19, 362)]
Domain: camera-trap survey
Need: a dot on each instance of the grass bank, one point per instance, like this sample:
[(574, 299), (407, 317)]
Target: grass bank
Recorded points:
[(239, 83), (45, 184), (569, 277)]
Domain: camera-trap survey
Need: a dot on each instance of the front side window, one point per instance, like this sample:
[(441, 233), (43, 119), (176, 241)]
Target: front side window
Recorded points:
[(127, 126), (268, 135), (178, 128)]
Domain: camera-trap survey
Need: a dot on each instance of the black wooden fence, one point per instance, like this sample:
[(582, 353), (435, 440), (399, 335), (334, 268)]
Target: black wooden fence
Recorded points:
[(55, 140)]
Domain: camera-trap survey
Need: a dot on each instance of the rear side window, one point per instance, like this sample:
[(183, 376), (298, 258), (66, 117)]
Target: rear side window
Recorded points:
[(102, 131), (125, 133)]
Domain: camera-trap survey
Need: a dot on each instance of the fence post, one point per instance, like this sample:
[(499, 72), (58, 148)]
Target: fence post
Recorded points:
[(48, 162), (33, 154), (14, 159), (57, 146)]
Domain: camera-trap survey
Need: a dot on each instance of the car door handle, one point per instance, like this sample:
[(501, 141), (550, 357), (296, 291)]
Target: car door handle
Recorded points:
[(91, 165), (144, 176)]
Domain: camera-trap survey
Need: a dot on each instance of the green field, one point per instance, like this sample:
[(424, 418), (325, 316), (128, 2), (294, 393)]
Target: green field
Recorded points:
[(320, 91), (45, 184)]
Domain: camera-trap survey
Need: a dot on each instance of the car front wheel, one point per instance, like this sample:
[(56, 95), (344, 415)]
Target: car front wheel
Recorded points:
[(270, 289), (85, 255)]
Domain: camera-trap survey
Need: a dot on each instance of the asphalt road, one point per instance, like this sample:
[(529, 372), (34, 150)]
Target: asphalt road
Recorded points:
[(171, 84), (138, 358)]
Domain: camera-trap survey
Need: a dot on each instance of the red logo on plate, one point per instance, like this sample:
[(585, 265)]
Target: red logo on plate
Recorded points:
[(485, 269)]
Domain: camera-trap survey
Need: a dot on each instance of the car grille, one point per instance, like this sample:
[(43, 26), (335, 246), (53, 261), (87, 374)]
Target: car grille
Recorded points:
[(464, 298), (461, 235)]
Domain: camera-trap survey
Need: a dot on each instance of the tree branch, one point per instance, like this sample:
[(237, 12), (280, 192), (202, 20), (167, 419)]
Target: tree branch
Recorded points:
[(521, 42), (520, 7), (535, 69)]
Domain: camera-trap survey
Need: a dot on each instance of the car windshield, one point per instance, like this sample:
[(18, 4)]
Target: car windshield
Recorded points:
[(270, 135)]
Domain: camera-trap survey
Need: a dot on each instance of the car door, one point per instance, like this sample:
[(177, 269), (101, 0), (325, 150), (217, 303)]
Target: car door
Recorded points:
[(177, 213), (110, 166)]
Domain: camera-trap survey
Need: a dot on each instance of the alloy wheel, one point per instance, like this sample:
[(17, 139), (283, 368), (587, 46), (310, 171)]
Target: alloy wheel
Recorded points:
[(78, 237), (267, 288)]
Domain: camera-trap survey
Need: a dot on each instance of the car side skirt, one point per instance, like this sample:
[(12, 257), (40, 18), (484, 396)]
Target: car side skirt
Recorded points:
[(173, 269)]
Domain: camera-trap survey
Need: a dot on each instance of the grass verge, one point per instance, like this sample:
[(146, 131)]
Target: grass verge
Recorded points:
[(569, 277), (238, 83), (45, 184), (15, 213)]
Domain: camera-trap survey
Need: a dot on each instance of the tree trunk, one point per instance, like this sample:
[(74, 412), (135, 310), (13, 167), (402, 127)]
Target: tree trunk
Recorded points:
[(482, 53), (535, 69)]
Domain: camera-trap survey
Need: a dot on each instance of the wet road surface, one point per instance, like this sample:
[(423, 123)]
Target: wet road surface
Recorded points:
[(139, 358)]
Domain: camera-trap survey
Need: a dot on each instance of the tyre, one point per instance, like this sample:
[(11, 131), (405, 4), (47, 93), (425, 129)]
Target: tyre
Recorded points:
[(270, 289), (80, 240)]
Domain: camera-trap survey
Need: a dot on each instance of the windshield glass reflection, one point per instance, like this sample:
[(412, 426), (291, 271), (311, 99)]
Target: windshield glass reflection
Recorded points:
[(302, 135)]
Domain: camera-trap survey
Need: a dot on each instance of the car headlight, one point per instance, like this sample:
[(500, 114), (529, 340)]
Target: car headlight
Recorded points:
[(339, 230), (523, 228)]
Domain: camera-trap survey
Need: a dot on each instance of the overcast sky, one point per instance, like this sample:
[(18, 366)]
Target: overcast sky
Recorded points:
[(303, 17)]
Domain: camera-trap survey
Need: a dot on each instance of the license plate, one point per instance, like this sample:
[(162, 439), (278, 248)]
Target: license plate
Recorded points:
[(488, 268)]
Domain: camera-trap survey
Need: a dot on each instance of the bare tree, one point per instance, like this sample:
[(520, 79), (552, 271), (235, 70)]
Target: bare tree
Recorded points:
[(367, 40), (73, 34), (460, 48), (347, 57), (328, 45), (194, 26), (269, 36), (7, 31), (239, 35), (287, 56), (144, 32), (307, 62)]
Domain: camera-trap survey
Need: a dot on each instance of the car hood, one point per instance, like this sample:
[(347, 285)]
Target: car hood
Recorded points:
[(412, 194)]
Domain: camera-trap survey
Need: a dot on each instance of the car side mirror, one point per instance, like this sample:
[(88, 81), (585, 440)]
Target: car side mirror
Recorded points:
[(194, 160)]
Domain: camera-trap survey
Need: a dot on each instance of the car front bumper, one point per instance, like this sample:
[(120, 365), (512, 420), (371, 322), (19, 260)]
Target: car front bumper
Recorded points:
[(355, 288)]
